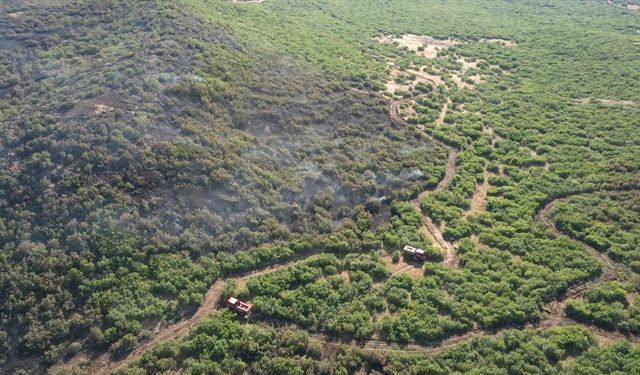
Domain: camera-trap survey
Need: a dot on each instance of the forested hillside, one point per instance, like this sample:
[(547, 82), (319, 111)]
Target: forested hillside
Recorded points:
[(142, 143), (159, 156)]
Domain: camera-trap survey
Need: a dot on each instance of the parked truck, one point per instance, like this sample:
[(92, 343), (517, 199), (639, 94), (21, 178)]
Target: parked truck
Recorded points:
[(413, 252), (238, 306)]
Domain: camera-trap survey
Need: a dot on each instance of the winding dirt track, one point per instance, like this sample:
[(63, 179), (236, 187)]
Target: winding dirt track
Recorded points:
[(609, 268), (553, 311), (429, 227), (479, 199), (103, 364), (443, 112)]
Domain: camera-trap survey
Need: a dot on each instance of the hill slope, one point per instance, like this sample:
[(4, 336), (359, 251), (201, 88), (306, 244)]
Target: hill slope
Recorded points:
[(140, 141)]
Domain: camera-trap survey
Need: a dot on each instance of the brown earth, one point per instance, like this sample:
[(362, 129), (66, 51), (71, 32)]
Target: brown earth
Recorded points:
[(479, 199), (420, 77), (477, 79), (443, 112), (429, 46), (606, 102), (401, 266), (611, 102), (502, 42), (101, 108), (466, 65)]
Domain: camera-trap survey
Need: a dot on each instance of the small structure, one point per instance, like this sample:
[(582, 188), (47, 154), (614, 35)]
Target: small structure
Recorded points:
[(238, 306), (414, 252)]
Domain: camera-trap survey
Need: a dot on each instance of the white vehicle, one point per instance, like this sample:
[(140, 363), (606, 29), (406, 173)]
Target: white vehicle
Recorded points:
[(414, 252)]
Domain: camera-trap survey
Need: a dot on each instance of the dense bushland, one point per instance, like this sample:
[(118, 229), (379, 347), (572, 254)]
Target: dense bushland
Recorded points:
[(610, 222), (142, 146), (149, 147), (221, 345)]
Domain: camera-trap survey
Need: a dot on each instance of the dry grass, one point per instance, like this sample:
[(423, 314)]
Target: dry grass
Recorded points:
[(611, 102), (101, 108), (502, 42), (423, 45), (443, 112), (477, 79), (476, 242), (392, 87), (479, 200), (413, 270), (466, 65), (583, 101), (606, 102)]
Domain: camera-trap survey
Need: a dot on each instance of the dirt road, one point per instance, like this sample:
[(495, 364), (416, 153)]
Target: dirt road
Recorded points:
[(610, 269), (443, 112), (429, 227), (103, 364), (479, 200), (553, 311)]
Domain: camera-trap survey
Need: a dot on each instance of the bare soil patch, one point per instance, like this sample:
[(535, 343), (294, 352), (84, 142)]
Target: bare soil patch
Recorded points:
[(476, 242), (502, 42), (479, 200), (100, 105), (611, 102), (459, 82), (606, 102), (583, 101), (423, 45), (413, 270), (413, 78), (392, 86), (435, 79), (409, 111), (634, 7), (101, 108), (476, 79), (466, 65), (443, 112)]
